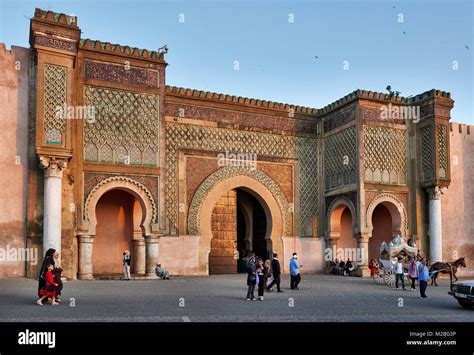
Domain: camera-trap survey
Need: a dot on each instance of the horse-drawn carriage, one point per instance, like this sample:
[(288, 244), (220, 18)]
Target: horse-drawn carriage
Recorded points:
[(389, 253)]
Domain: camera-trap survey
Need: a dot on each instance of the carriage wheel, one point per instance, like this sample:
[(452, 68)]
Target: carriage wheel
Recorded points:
[(389, 278), (378, 278)]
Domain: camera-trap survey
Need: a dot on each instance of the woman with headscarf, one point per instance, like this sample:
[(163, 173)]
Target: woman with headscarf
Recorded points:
[(49, 258)]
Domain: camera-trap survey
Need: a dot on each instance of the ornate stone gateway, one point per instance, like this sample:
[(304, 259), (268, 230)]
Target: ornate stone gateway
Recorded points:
[(348, 175)]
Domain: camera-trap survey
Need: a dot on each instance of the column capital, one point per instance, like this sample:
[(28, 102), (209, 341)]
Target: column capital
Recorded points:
[(152, 239), (362, 237), (435, 193), (85, 238), (53, 166)]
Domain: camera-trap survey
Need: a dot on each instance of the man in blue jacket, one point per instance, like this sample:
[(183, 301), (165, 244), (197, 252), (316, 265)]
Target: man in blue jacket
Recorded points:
[(423, 277), (295, 272)]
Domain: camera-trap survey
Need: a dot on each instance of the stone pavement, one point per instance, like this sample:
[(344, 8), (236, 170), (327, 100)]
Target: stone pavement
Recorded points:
[(221, 298)]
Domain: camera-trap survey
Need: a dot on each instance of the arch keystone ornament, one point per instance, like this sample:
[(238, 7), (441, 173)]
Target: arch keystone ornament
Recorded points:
[(257, 183), (149, 225)]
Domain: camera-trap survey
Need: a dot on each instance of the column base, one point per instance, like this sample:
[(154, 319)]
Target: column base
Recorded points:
[(85, 277), (362, 271), (151, 275)]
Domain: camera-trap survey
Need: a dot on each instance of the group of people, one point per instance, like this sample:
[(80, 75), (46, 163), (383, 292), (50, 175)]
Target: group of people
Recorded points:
[(266, 274), (50, 284), (343, 268), (417, 271)]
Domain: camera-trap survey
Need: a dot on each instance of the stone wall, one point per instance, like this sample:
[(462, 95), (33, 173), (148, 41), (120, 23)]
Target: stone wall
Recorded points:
[(14, 89), (458, 201)]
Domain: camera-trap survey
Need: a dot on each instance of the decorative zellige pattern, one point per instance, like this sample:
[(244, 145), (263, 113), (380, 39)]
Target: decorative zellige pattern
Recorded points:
[(426, 153), (385, 155), (181, 136), (442, 152), (55, 97), (340, 158), (125, 129)]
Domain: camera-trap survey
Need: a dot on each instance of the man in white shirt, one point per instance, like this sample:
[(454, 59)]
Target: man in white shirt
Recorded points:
[(399, 273)]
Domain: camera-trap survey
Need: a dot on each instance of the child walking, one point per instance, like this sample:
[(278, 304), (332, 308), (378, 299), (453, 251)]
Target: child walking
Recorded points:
[(49, 289)]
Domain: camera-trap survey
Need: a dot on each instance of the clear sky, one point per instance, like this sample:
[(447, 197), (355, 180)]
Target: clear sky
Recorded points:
[(277, 56)]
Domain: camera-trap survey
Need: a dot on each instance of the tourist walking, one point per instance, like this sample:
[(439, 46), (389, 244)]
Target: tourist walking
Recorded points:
[(49, 289), (276, 271), (399, 273), (423, 277), (126, 264), (251, 277), (269, 276), (50, 258), (262, 274), (413, 273), (295, 272)]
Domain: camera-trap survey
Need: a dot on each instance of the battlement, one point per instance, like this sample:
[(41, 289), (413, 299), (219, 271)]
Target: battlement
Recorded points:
[(232, 99), (385, 97), (462, 128), (55, 17), (100, 46), (4, 52)]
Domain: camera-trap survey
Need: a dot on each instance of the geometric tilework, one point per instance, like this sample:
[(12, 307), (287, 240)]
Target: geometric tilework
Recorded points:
[(213, 139), (442, 152), (385, 155), (426, 142), (340, 158), (55, 97), (125, 128)]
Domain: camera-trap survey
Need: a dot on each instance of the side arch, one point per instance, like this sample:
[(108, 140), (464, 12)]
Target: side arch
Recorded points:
[(143, 195), (397, 211), (334, 213)]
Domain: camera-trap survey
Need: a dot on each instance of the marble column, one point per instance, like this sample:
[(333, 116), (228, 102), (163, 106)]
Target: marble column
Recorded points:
[(152, 254), (85, 246), (53, 173), (139, 259), (436, 236)]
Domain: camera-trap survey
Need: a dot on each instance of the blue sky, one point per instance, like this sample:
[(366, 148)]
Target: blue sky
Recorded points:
[(276, 57)]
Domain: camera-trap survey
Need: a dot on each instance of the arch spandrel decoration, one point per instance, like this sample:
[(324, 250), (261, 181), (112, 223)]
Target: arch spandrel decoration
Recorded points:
[(137, 189), (230, 172), (394, 201)]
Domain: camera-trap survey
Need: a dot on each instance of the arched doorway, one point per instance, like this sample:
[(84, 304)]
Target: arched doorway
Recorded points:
[(119, 217), (386, 224), (341, 230), (259, 185), (121, 210), (239, 226)]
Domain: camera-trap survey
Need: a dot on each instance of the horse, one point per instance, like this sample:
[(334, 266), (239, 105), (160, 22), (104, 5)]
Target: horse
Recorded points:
[(446, 268)]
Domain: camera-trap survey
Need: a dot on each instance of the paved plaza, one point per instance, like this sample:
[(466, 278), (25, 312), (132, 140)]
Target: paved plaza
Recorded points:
[(221, 298)]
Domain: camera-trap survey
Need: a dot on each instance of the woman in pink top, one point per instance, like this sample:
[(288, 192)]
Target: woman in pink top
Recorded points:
[(413, 273)]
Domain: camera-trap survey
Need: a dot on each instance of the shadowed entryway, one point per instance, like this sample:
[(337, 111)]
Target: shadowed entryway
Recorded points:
[(239, 226)]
